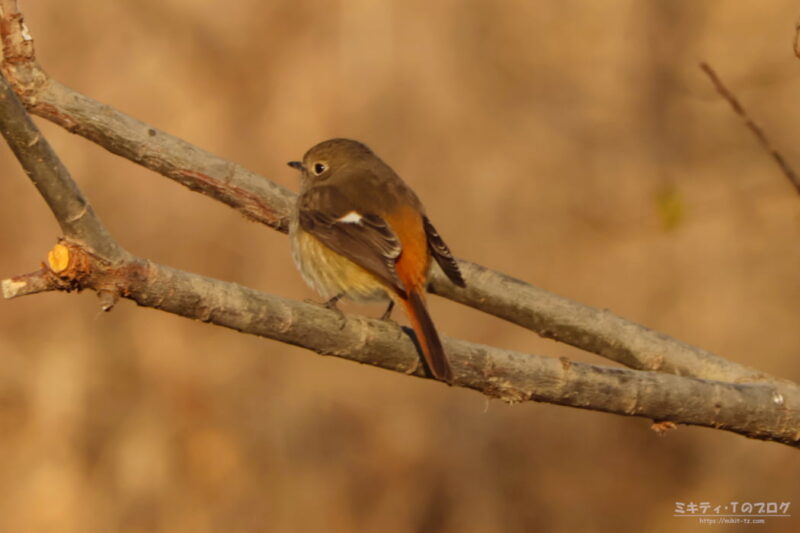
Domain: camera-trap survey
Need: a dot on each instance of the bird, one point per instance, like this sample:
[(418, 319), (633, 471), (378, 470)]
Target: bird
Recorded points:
[(358, 231)]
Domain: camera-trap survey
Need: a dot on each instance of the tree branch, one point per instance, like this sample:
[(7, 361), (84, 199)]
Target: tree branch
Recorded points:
[(252, 195), (549, 315), (90, 259), (595, 330), (759, 411), (797, 38), (752, 126), (76, 217), (32, 283)]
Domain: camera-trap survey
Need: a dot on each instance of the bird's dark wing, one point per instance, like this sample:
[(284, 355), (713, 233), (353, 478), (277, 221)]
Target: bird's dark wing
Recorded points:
[(442, 254), (364, 238)]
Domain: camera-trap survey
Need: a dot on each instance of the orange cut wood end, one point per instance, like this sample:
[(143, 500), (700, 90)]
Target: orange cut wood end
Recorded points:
[(58, 258)]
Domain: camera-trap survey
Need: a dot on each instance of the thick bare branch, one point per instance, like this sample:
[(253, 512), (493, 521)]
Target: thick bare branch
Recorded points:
[(76, 217), (596, 330), (759, 410), (91, 259), (547, 314), (254, 196)]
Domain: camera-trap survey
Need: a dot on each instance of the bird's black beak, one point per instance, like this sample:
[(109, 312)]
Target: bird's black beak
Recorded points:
[(297, 165)]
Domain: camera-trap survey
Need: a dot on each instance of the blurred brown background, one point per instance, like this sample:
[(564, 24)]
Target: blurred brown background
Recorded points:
[(572, 144)]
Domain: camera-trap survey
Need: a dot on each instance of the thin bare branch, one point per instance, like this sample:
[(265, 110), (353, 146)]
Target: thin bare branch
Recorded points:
[(31, 283), (547, 314), (752, 126), (797, 38)]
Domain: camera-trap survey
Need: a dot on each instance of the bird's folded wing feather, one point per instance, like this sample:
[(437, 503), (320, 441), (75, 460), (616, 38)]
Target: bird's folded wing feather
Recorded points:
[(364, 238), (442, 254)]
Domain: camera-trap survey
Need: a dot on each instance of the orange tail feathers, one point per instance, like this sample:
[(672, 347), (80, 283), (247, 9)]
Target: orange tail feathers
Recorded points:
[(427, 336)]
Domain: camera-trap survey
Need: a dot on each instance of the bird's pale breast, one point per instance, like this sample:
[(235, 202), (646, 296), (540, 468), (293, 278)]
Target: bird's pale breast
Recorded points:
[(329, 273)]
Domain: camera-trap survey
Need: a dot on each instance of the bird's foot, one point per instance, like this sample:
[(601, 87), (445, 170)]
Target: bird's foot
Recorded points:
[(387, 315)]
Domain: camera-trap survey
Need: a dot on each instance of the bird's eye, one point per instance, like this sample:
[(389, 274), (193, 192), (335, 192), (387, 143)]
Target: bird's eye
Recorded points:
[(319, 168)]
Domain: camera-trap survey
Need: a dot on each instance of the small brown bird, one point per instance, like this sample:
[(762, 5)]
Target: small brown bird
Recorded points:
[(360, 232)]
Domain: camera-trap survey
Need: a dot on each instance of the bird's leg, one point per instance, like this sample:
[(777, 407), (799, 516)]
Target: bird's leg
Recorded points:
[(331, 304), (388, 313)]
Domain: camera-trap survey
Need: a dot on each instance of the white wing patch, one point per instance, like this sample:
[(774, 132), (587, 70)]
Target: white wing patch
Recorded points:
[(353, 217)]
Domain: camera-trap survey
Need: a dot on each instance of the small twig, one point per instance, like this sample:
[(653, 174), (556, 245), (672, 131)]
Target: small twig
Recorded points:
[(797, 38), (31, 283), (752, 126)]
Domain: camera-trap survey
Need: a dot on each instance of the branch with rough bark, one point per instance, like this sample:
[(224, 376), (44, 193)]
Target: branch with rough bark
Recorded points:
[(594, 330), (672, 381), (754, 410)]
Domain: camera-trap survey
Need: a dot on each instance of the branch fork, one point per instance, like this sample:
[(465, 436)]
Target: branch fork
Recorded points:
[(668, 381)]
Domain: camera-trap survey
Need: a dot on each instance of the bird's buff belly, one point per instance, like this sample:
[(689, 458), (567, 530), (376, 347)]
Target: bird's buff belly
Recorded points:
[(331, 274)]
